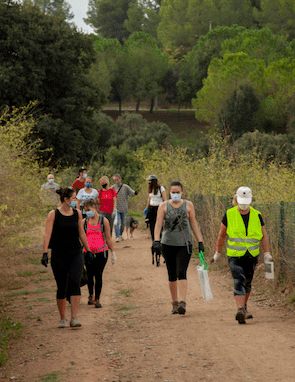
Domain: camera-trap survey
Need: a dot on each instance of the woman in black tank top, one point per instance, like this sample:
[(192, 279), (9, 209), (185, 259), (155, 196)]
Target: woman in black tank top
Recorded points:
[(63, 232)]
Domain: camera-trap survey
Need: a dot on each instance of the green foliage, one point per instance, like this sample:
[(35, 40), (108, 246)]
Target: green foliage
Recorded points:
[(239, 114), (107, 17), (279, 16), (45, 59), (143, 16), (267, 147), (55, 8), (20, 177)]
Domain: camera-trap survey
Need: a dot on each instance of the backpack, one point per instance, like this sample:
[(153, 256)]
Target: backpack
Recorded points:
[(101, 229)]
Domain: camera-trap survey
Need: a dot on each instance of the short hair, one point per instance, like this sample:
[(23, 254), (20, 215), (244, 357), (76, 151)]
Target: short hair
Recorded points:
[(176, 183), (89, 177), (118, 176), (89, 203), (65, 192)]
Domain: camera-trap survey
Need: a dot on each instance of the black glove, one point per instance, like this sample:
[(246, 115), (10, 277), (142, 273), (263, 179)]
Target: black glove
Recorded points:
[(135, 192), (201, 246), (157, 245), (89, 258), (44, 260)]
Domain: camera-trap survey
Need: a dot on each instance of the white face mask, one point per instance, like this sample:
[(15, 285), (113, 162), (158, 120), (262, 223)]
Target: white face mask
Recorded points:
[(243, 207)]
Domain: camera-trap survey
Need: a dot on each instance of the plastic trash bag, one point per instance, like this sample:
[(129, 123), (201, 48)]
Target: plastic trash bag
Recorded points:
[(116, 220), (204, 279)]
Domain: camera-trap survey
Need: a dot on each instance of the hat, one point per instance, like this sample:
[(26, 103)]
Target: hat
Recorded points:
[(151, 177), (244, 195)]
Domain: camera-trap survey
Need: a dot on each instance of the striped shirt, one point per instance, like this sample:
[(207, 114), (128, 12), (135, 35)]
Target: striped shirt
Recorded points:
[(122, 196)]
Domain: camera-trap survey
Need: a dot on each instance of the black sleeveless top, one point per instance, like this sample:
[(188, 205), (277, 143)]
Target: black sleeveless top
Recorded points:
[(65, 233)]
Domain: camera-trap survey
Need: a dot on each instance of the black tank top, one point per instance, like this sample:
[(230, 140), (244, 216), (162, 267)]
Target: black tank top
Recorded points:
[(65, 233)]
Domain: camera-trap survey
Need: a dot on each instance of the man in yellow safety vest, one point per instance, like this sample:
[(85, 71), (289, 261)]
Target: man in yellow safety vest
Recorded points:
[(245, 229)]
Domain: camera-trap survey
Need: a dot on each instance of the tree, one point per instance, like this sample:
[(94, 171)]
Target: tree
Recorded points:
[(279, 16), (55, 8), (146, 65), (45, 59), (143, 16), (107, 18)]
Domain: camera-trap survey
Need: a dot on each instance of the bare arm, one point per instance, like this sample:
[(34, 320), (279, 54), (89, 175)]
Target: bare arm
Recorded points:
[(148, 202), (115, 202), (48, 230), (192, 219), (164, 196), (107, 231), (78, 204), (264, 240), (82, 234), (160, 218), (221, 237)]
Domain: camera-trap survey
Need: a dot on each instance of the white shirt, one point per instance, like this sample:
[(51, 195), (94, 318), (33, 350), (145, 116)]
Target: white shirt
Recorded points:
[(82, 195), (156, 200)]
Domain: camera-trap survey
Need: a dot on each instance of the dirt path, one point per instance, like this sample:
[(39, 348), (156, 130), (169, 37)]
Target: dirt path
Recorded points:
[(134, 337)]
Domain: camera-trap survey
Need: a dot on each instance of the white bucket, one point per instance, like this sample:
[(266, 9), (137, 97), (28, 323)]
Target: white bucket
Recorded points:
[(269, 270)]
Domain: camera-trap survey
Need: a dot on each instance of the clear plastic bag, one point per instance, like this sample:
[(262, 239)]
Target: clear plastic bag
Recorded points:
[(204, 279), (204, 282), (115, 222)]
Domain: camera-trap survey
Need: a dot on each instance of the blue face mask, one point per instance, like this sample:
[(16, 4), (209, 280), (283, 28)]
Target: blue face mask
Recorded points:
[(51, 181), (89, 214), (73, 204), (84, 176), (175, 197), (88, 185)]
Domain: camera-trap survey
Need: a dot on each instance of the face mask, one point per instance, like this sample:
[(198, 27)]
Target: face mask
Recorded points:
[(175, 197), (72, 204), (243, 207), (89, 214), (118, 183), (84, 176), (51, 181), (88, 185), (103, 185)]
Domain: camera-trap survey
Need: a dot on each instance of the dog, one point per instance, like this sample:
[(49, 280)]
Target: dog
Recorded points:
[(130, 225)]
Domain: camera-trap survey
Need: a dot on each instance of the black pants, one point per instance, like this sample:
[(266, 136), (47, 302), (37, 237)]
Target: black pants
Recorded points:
[(152, 216), (242, 270), (177, 260), (67, 270), (95, 270)]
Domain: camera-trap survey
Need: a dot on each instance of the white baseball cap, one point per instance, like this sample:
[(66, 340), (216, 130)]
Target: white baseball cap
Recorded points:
[(244, 195), (151, 177)]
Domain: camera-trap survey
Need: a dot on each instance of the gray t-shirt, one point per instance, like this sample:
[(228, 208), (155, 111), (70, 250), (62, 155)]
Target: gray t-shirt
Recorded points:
[(49, 193), (176, 230), (122, 198)]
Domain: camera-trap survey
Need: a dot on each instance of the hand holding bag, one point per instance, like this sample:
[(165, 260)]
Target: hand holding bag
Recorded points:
[(204, 278)]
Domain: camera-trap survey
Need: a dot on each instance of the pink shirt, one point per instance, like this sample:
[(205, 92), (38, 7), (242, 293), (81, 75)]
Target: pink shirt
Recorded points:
[(95, 239)]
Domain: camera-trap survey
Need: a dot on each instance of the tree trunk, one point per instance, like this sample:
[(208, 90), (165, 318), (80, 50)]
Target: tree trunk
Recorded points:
[(152, 105), (137, 105), (120, 105)]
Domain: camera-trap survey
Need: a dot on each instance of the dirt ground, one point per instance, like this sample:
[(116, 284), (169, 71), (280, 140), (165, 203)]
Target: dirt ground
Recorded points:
[(134, 337)]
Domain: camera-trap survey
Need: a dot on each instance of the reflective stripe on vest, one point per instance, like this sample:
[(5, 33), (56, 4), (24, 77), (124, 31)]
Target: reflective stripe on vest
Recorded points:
[(238, 243)]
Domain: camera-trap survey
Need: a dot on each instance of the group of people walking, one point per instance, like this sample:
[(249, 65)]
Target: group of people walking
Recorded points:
[(171, 220)]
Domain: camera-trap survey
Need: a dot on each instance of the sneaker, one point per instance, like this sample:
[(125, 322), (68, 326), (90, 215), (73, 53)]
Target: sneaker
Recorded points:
[(117, 239), (121, 238), (63, 323), (98, 304), (182, 307), (91, 300), (174, 307), (75, 323), (247, 315), (241, 315)]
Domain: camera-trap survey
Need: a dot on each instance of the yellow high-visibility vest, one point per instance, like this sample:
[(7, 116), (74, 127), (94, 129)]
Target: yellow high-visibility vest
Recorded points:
[(238, 243)]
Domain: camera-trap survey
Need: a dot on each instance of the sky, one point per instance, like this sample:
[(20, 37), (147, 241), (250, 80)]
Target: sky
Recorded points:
[(79, 8)]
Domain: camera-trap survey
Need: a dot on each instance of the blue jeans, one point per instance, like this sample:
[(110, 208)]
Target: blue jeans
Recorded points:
[(119, 228)]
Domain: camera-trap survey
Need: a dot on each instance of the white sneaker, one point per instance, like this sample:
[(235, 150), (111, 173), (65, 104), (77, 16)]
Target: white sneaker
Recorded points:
[(63, 323), (117, 239), (121, 238), (75, 323)]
